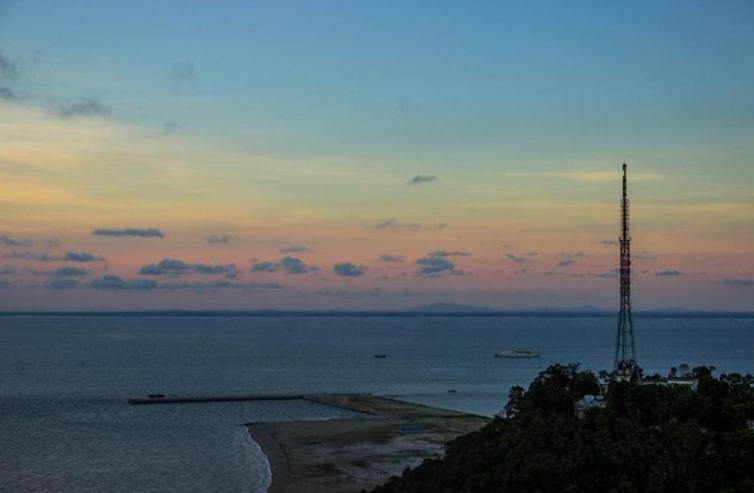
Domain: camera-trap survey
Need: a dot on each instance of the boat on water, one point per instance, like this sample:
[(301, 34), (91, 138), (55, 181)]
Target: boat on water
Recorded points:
[(517, 353), (380, 356)]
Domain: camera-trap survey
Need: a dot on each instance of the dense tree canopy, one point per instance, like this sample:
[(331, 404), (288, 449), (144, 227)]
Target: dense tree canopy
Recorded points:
[(647, 438)]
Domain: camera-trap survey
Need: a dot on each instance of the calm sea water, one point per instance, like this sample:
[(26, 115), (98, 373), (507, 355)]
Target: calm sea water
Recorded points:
[(64, 381)]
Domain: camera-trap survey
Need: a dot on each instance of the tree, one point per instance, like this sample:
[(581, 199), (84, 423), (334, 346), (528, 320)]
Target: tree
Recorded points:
[(649, 438)]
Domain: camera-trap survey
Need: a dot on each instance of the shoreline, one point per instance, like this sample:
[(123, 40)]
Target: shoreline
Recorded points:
[(351, 454), (276, 460)]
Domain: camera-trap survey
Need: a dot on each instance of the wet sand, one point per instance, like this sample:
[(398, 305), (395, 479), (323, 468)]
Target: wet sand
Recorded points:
[(348, 455)]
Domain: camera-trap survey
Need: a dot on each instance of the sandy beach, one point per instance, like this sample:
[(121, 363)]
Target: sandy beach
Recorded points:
[(348, 455)]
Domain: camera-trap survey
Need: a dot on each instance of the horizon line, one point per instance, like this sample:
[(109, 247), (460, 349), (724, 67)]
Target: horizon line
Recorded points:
[(411, 312)]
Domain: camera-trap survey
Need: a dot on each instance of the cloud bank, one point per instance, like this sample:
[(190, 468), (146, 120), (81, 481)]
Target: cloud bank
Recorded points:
[(288, 265), (137, 232), (113, 282), (81, 257), (175, 267), (347, 269), (434, 266)]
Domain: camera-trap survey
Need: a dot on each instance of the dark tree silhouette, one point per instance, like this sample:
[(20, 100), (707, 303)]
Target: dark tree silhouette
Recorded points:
[(648, 438)]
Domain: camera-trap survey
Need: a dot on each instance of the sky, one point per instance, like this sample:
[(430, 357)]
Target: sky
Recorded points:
[(374, 155)]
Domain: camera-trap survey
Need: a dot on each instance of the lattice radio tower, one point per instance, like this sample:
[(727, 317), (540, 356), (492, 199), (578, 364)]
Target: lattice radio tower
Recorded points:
[(625, 351)]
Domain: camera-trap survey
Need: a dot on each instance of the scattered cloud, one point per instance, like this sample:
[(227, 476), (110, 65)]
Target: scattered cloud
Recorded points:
[(392, 258), (182, 73), (35, 257), (393, 224), (83, 107), (221, 239), (566, 263), (610, 274), (47, 257), (9, 70), (110, 281), (295, 249), (7, 269), (229, 270), (434, 266), (174, 267), (668, 273), (443, 253), (171, 128), (265, 267), (574, 254), (293, 265), (519, 260), (8, 94), (289, 265), (81, 257), (66, 272), (421, 179), (608, 242), (212, 286), (5, 284), (62, 283), (138, 232), (347, 269), (9, 73), (10, 241), (116, 283), (738, 282)]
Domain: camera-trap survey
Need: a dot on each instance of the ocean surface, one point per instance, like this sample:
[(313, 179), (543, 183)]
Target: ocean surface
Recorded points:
[(65, 424)]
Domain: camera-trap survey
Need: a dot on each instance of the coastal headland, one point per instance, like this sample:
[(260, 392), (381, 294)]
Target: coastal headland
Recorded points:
[(348, 455)]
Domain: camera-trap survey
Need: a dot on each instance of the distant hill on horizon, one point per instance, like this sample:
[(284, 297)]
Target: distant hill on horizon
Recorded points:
[(450, 307)]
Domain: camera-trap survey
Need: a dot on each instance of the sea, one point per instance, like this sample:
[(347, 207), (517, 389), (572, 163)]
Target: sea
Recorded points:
[(66, 425)]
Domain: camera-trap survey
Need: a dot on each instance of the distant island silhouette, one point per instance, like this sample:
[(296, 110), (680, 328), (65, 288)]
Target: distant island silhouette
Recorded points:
[(446, 307)]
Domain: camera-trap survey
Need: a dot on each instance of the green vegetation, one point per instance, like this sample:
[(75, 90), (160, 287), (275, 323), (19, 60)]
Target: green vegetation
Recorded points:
[(647, 438)]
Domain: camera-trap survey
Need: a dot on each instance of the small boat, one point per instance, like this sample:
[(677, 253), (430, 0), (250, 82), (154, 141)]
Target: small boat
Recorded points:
[(517, 353), (380, 356)]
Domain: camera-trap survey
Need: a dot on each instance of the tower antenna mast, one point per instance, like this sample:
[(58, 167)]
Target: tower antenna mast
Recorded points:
[(625, 351)]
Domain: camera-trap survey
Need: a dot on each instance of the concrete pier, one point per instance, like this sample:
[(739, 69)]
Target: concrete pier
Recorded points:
[(189, 399)]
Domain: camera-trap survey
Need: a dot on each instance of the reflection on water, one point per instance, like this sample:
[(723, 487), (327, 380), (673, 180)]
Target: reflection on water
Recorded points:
[(64, 423)]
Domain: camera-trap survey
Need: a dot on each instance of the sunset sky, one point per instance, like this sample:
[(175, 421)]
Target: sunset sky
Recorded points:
[(374, 155)]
